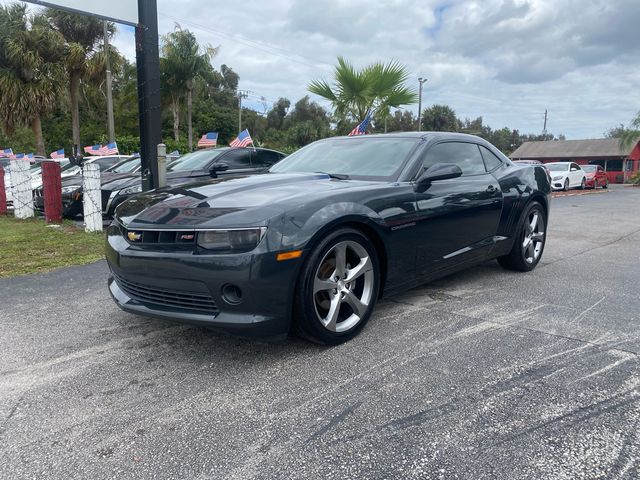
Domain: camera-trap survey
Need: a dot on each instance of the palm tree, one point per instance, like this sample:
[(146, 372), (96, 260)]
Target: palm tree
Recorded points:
[(376, 88), (29, 70), (83, 35), (182, 61), (630, 136)]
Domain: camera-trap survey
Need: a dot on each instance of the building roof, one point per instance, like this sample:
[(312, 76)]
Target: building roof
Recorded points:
[(600, 147)]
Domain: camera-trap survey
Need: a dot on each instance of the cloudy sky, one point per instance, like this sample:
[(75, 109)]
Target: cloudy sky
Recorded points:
[(505, 60)]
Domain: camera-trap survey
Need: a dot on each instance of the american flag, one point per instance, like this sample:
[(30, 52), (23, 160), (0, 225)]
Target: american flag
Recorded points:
[(361, 128), (243, 140), (93, 150), (6, 153), (208, 140), (109, 149), (57, 154)]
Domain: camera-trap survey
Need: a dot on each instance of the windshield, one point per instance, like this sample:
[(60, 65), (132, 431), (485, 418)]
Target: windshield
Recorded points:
[(557, 167), (378, 158), (126, 166), (589, 168), (195, 161)]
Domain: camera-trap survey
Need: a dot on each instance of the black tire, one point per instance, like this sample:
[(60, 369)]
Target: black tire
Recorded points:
[(73, 210), (606, 184), (516, 259), (566, 185), (583, 184), (595, 184), (306, 320)]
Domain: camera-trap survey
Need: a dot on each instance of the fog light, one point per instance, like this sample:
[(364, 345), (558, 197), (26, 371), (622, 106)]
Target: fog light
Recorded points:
[(231, 294)]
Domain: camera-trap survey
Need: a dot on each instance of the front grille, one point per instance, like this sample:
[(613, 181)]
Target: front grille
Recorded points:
[(160, 237), (199, 302)]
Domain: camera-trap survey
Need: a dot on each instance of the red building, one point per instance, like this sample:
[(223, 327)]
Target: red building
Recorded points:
[(619, 163)]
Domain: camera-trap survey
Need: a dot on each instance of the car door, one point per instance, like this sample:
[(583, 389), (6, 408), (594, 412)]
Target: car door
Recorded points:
[(575, 175), (238, 160), (457, 218)]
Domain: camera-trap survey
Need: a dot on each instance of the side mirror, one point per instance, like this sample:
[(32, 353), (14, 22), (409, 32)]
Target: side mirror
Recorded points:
[(439, 171), (218, 167)]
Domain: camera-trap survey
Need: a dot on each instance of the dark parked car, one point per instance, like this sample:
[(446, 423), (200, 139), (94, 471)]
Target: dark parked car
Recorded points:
[(596, 176), (313, 243), (199, 165), (110, 169)]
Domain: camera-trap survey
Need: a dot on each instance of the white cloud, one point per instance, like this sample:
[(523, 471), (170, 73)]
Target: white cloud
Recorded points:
[(506, 60)]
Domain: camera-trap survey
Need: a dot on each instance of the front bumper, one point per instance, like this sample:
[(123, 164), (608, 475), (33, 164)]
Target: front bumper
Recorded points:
[(187, 287)]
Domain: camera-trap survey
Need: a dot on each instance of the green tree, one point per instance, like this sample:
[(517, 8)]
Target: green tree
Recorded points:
[(277, 114), (631, 136), (29, 71), (440, 118), (82, 35), (182, 61), (376, 88)]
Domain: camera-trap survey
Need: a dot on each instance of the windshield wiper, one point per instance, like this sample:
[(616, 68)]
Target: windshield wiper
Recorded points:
[(337, 176)]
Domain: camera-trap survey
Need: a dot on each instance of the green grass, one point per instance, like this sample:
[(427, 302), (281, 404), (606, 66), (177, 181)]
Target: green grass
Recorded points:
[(29, 246)]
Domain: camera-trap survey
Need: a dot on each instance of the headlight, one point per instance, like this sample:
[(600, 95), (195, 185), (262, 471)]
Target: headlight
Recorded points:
[(131, 190), (233, 241), (558, 177), (70, 189)]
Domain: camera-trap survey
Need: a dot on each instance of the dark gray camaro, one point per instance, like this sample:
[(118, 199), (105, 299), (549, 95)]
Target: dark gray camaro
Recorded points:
[(313, 243)]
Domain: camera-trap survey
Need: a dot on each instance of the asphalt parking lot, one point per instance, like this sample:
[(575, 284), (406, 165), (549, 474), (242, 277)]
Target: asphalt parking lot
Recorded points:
[(485, 374)]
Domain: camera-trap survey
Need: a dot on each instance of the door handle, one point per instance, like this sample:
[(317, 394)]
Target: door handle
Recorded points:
[(491, 189)]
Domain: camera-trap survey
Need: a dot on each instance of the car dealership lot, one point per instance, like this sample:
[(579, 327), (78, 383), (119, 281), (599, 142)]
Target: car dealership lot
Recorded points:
[(485, 374)]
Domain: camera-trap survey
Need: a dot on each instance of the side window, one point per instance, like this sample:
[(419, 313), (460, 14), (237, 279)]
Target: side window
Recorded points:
[(105, 163), (265, 158), (237, 159), (491, 161), (574, 167), (465, 155)]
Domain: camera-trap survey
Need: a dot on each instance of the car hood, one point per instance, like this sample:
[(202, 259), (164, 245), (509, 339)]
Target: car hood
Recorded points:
[(121, 181), (105, 178), (239, 201)]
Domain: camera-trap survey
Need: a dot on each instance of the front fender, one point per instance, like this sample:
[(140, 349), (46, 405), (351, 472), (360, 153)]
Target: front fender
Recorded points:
[(300, 228)]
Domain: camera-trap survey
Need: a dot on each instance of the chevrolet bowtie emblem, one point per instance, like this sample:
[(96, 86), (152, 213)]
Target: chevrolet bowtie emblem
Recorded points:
[(134, 236)]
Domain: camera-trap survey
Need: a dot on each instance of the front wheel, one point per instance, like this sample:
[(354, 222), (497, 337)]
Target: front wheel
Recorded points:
[(595, 184), (530, 238), (606, 184), (338, 288), (583, 184), (566, 185)]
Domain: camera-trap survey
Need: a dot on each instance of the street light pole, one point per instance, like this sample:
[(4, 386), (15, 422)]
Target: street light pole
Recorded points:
[(420, 81)]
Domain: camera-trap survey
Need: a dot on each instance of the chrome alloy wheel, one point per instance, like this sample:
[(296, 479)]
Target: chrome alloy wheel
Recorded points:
[(533, 237), (343, 286)]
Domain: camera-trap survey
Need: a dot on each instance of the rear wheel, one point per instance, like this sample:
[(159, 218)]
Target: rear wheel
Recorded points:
[(338, 288), (566, 185), (529, 241)]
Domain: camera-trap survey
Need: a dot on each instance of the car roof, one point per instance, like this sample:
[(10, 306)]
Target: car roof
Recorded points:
[(424, 135), (238, 148)]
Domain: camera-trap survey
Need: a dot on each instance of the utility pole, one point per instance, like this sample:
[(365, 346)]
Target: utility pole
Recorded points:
[(544, 129), (149, 108), (420, 81), (241, 94), (110, 121)]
